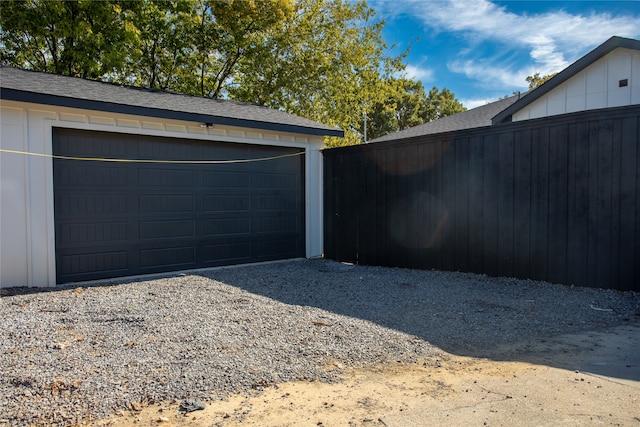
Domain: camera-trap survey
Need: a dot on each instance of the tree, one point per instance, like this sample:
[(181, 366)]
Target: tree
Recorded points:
[(195, 46), (537, 80), (160, 53), (408, 105), (321, 59), (325, 62), (441, 103), (76, 38), (228, 32), (404, 106)]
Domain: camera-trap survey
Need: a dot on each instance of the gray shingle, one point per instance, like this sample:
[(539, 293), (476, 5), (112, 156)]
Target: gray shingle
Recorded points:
[(52, 89)]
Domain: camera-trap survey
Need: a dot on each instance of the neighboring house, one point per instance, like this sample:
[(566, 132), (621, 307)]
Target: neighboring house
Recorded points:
[(608, 76), (66, 219)]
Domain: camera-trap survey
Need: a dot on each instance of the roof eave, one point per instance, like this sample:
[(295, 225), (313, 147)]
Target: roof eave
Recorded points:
[(62, 101), (591, 57)]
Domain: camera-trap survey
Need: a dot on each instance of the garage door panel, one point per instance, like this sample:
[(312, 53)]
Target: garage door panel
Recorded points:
[(276, 181), (227, 180), (170, 203), (275, 203), (92, 176), (276, 249), (167, 229), (226, 227), (226, 203), (81, 205), (98, 264), (117, 219), (184, 257), (166, 149), (92, 232), (279, 224), (162, 178), (227, 253), (87, 145)]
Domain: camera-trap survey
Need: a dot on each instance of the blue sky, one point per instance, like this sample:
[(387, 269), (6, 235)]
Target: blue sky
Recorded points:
[(482, 50)]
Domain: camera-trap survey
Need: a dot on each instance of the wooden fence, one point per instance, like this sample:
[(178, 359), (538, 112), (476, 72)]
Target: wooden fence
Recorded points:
[(555, 199)]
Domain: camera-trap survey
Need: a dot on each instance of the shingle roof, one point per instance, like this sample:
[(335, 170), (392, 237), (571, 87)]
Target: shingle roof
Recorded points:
[(573, 69), (51, 89), (474, 118)]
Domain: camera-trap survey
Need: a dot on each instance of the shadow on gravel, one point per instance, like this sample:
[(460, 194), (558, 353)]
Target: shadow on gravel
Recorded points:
[(504, 319), (591, 330)]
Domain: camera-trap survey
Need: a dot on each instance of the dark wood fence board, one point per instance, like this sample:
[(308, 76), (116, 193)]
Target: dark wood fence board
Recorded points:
[(329, 194), (414, 219), (356, 202), (349, 223), (506, 204), (540, 201), (462, 214), (604, 191), (592, 230), (637, 211), (557, 235), (490, 205), (522, 202), (339, 171), (389, 206), (436, 211), (377, 252), (448, 185), (554, 199), (476, 195), (628, 231), (578, 206), (616, 195), (409, 243), (425, 155), (368, 221)]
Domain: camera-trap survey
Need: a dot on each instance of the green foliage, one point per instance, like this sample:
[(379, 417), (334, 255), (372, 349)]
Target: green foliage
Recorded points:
[(159, 54), (408, 105), (320, 59), (230, 31), (442, 103), (325, 61), (81, 38), (537, 80)]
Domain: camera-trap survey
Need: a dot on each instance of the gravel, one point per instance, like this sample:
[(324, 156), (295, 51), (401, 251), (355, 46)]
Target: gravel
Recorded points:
[(71, 355)]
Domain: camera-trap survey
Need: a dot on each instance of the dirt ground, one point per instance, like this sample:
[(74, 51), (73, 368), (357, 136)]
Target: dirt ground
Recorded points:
[(592, 378)]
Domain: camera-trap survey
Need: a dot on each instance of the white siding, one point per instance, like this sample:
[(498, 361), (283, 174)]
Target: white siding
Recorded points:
[(13, 205), (27, 241), (597, 86)]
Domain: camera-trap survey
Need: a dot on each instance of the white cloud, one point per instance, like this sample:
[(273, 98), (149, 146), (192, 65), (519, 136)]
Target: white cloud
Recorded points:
[(547, 31), (473, 103), (419, 73), (490, 74), (552, 40)]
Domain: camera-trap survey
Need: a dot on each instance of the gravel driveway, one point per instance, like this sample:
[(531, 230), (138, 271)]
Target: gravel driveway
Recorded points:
[(77, 354)]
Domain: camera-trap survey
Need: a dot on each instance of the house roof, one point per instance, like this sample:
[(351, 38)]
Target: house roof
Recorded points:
[(43, 88), (474, 118), (573, 69), (501, 111)]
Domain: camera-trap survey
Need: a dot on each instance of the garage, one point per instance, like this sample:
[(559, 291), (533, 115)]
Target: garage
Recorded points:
[(127, 218), (101, 180)]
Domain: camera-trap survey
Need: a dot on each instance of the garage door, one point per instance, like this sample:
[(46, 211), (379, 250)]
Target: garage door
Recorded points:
[(126, 218)]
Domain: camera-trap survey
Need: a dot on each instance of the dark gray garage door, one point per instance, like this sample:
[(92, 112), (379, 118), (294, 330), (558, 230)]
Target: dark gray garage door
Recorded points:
[(118, 219)]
